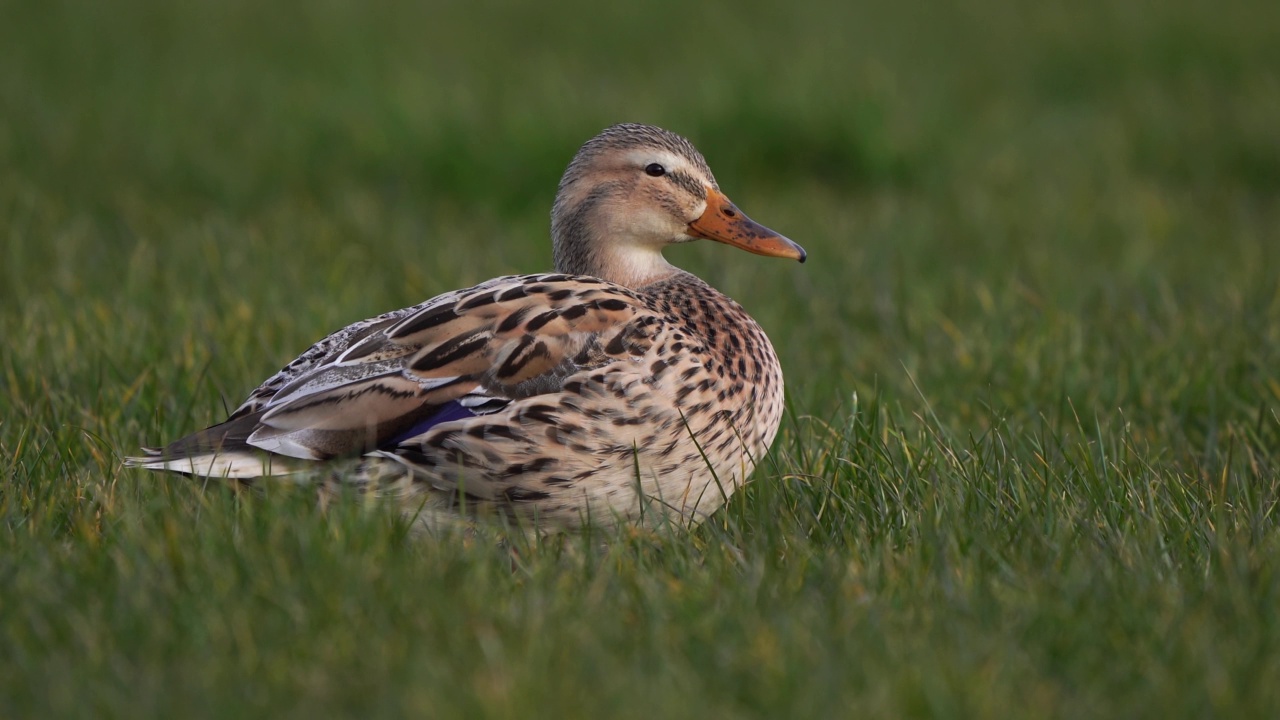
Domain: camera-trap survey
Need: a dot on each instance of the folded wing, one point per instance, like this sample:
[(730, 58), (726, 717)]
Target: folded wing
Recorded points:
[(386, 380)]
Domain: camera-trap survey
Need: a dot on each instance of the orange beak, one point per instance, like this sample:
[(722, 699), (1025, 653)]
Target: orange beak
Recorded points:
[(724, 222)]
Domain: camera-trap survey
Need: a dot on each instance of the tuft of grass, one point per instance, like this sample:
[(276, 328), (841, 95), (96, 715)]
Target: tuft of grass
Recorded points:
[(1032, 461)]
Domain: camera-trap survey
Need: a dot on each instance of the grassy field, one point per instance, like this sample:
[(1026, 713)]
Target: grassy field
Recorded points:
[(1032, 464)]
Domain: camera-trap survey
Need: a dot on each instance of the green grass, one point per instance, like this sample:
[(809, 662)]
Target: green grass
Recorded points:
[(1033, 461)]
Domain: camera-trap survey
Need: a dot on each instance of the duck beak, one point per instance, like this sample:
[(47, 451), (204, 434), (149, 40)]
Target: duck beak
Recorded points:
[(724, 222)]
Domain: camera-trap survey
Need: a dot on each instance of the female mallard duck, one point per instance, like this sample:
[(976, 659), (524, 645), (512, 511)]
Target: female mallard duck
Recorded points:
[(620, 385)]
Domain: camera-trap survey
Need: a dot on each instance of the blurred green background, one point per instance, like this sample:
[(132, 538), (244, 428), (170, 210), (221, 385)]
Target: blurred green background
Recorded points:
[(313, 163), (1044, 244)]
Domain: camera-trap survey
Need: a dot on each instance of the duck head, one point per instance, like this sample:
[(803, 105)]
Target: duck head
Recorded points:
[(634, 189)]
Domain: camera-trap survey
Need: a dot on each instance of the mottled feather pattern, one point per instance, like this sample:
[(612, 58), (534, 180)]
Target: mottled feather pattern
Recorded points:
[(647, 394), (364, 393)]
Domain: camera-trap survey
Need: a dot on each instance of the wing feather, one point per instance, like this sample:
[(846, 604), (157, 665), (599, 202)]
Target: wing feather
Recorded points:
[(364, 387)]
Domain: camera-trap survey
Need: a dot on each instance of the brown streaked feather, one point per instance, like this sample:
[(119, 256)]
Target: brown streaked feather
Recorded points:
[(350, 405), (402, 367)]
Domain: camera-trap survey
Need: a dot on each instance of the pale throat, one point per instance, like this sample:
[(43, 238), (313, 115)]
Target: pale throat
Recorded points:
[(633, 265), (620, 257)]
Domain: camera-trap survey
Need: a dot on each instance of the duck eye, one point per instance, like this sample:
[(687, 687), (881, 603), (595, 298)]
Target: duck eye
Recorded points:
[(655, 170)]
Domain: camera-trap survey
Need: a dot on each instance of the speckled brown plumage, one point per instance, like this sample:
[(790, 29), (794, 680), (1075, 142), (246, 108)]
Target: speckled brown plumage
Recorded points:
[(628, 388)]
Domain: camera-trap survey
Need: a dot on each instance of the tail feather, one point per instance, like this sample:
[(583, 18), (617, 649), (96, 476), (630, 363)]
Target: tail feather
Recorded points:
[(218, 451), (234, 464)]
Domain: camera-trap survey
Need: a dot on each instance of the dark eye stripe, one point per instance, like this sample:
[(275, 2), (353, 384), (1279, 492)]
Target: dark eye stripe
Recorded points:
[(687, 183)]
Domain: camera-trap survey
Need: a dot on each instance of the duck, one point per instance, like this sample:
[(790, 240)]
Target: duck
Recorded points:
[(614, 389)]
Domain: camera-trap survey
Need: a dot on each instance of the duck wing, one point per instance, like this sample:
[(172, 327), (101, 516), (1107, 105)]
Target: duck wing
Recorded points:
[(383, 381)]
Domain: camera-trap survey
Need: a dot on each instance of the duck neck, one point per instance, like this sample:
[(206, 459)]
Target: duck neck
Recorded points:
[(584, 244)]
